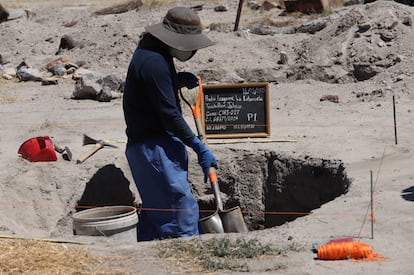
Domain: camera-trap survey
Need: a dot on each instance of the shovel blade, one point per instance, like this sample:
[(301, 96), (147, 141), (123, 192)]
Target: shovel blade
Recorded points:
[(211, 224), (233, 221)]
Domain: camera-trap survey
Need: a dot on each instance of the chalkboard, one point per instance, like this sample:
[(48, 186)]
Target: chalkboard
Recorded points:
[(236, 110)]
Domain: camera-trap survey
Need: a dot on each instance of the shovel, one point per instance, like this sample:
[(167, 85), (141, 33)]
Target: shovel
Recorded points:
[(221, 220), (99, 144)]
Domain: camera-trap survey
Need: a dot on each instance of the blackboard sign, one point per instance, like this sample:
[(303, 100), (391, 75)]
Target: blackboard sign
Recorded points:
[(236, 110)]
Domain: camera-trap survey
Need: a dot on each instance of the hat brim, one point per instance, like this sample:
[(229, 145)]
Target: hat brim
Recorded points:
[(179, 41)]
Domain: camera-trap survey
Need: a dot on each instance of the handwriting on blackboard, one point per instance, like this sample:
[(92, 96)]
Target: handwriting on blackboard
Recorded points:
[(236, 109)]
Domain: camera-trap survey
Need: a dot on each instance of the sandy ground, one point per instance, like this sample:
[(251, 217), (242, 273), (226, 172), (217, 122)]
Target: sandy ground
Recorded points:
[(38, 199)]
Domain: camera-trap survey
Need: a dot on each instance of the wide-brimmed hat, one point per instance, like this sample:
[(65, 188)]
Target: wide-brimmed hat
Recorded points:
[(181, 29)]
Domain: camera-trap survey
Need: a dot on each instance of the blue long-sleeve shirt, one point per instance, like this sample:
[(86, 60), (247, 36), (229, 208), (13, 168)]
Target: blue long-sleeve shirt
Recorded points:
[(150, 102)]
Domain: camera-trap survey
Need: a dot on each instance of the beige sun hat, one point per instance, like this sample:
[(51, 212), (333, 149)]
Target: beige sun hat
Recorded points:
[(181, 29)]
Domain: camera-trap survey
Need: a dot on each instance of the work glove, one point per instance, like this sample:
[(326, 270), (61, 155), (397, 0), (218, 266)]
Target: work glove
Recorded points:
[(206, 159), (186, 79)]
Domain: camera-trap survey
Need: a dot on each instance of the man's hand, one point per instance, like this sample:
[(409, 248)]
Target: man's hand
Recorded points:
[(206, 159), (187, 79)]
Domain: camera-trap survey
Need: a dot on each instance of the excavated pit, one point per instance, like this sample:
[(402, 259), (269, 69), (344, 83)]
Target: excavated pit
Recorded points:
[(270, 188), (273, 189)]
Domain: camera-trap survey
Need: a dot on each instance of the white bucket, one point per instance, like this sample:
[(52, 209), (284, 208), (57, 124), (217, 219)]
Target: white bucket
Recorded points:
[(117, 222)]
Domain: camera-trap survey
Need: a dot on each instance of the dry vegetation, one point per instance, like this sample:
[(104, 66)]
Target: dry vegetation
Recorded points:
[(222, 253), (40, 257), (13, 4)]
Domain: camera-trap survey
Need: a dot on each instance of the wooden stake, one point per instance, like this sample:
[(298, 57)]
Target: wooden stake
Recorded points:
[(372, 208), (239, 9), (395, 120)]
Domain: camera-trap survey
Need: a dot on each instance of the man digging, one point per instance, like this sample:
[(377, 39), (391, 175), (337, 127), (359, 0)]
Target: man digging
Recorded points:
[(156, 130)]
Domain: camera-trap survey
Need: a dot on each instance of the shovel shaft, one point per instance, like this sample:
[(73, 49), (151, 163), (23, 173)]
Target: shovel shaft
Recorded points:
[(200, 131), (216, 189)]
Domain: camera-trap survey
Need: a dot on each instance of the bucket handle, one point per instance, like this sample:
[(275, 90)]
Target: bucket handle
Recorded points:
[(101, 232)]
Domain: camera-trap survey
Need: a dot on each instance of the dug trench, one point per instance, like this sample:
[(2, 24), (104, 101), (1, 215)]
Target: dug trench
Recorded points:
[(271, 189)]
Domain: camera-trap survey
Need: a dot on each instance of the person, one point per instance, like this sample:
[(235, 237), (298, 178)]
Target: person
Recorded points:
[(156, 130)]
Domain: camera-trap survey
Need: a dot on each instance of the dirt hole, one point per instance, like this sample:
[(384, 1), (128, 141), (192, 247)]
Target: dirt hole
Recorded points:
[(273, 189), (270, 188)]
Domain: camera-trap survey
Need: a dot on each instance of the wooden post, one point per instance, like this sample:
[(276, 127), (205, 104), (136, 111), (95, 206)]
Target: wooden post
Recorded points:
[(239, 9), (372, 207), (395, 120)]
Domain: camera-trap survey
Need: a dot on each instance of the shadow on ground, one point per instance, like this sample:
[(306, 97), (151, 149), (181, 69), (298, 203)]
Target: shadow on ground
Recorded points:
[(107, 187), (408, 193)]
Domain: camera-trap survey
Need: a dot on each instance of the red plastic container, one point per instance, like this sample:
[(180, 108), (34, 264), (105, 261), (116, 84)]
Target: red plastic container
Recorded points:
[(38, 149)]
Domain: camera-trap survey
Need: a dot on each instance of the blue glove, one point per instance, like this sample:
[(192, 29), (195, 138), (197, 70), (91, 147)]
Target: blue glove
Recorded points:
[(206, 159), (186, 79)]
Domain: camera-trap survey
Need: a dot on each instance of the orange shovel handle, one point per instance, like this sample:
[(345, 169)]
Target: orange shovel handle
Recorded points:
[(216, 190)]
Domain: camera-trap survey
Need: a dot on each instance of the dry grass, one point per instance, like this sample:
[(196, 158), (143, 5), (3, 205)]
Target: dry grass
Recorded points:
[(39, 257), (10, 99), (14, 4), (47, 124), (218, 254)]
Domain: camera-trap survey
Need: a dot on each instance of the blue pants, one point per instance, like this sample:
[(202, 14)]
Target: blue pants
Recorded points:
[(160, 171)]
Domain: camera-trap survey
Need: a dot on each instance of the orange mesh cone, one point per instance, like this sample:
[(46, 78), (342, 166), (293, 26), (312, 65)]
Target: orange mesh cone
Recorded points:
[(347, 250)]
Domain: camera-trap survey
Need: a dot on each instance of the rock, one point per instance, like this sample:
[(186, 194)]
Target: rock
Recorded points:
[(364, 26), (120, 8), (61, 59), (364, 71), (269, 5), (111, 82), (4, 14), (407, 21), (28, 74), (30, 15), (390, 22), (331, 98), (16, 14), (87, 87), (94, 86), (245, 34), (61, 66), (49, 81), (197, 7), (269, 30), (8, 72), (312, 27), (80, 73), (67, 43), (307, 6), (399, 77), (387, 36), (104, 96), (220, 8), (58, 69), (253, 5), (6, 76), (283, 58), (71, 70)]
